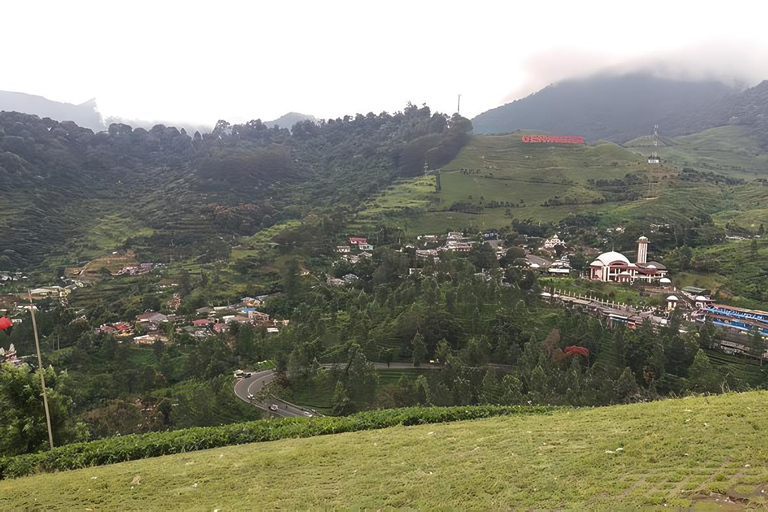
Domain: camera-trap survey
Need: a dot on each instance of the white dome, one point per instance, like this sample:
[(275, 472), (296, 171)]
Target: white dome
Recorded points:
[(672, 297), (612, 256), (651, 266), (701, 297), (665, 280)]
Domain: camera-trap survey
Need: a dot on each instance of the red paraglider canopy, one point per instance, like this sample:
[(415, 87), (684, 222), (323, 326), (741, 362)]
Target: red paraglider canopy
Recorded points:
[(573, 350), (5, 325)]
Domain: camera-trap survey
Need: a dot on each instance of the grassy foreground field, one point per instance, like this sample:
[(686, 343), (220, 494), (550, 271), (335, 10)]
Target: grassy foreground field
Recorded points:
[(683, 452)]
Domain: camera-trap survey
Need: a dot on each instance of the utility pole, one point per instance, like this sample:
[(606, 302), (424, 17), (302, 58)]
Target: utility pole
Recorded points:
[(40, 369), (458, 107)]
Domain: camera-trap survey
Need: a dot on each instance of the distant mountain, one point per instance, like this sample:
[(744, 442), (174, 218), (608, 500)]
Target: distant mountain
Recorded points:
[(190, 128), (616, 108), (290, 119), (750, 108), (85, 115)]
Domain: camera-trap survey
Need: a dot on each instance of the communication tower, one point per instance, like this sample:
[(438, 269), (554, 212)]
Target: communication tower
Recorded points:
[(654, 158)]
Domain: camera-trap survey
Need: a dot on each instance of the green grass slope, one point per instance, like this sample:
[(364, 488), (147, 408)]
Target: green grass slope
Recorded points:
[(732, 150), (678, 453), (504, 169)]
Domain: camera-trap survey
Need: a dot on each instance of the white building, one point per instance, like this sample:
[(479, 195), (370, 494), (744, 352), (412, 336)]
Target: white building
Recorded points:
[(613, 266)]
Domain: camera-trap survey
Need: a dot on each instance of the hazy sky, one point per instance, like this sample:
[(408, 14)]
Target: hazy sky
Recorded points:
[(199, 62)]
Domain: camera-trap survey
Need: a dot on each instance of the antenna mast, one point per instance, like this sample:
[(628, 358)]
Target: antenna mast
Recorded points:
[(654, 158), (458, 107)]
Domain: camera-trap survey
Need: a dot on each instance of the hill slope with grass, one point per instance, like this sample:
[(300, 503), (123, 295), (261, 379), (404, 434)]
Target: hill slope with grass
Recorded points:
[(495, 178), (682, 452), (732, 150)]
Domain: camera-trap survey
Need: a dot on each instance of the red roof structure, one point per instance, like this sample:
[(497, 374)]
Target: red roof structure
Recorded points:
[(355, 240)]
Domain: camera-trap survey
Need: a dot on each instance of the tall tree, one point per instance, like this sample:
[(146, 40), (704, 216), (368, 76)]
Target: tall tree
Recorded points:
[(419, 349)]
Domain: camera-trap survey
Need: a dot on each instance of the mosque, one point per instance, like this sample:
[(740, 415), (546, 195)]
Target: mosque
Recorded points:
[(615, 267)]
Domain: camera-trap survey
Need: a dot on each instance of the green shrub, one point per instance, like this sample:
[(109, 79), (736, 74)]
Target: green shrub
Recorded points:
[(154, 444)]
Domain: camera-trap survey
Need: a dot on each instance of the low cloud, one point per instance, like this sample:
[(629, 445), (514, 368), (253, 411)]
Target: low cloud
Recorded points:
[(737, 64)]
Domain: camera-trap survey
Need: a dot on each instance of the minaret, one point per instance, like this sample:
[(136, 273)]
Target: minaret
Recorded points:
[(642, 250)]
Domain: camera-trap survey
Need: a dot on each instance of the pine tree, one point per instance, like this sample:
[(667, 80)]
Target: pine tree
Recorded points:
[(421, 390), (342, 405), (512, 390), (702, 375), (419, 348), (490, 391), (539, 389), (756, 345), (626, 386), (442, 351)]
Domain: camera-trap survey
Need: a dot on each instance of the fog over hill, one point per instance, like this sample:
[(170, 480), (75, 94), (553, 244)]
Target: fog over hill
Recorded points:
[(87, 115)]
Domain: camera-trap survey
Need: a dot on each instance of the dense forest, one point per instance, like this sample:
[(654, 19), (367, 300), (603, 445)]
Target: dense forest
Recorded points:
[(64, 180)]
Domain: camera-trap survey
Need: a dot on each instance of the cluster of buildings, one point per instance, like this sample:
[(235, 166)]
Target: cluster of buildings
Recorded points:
[(612, 313), (356, 258), (345, 279), (207, 322), (142, 268), (457, 242), (54, 291), (357, 242), (433, 245), (738, 319), (9, 277)]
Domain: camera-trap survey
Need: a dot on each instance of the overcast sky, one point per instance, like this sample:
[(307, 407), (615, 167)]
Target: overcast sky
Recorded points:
[(199, 62)]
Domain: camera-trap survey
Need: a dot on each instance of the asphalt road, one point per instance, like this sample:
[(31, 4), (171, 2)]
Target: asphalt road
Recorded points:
[(258, 380), (255, 383)]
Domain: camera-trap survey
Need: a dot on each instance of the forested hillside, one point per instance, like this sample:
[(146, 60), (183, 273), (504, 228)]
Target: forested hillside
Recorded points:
[(181, 193)]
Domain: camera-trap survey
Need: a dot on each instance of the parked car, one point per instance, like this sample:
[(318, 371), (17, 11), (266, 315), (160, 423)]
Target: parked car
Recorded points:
[(273, 407), (250, 396), (307, 414), (246, 375), (239, 373)]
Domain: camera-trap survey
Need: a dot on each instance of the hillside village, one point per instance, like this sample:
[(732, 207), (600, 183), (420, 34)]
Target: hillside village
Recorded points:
[(549, 258)]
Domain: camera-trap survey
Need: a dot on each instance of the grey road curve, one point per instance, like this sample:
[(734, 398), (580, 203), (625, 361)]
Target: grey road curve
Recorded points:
[(258, 380)]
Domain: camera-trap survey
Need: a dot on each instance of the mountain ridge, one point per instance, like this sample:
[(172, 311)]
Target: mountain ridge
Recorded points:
[(85, 114), (620, 107)]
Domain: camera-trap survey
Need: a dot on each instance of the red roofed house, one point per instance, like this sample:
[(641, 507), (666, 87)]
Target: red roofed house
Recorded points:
[(123, 326), (354, 240), (203, 322)]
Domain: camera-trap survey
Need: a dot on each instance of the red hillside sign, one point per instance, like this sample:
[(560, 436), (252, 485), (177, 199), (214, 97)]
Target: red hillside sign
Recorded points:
[(557, 139)]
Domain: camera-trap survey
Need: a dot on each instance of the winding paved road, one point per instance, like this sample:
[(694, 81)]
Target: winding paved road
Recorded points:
[(255, 383), (258, 380)]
